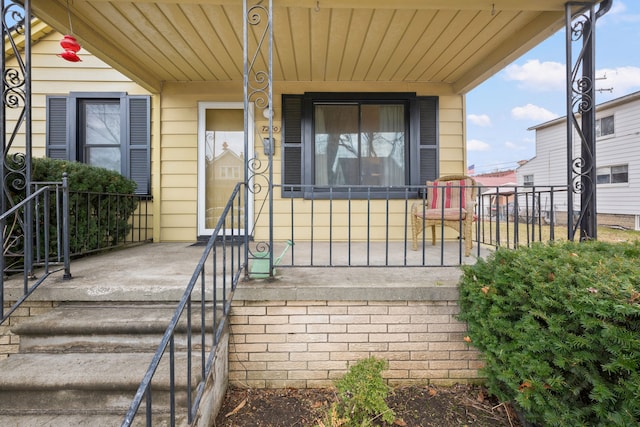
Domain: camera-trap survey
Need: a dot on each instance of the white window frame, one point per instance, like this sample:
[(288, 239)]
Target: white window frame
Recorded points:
[(527, 180), (600, 172), (599, 134)]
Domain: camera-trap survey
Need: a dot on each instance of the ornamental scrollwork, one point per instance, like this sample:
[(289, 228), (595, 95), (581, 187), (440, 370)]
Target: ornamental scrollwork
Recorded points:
[(578, 27), (258, 177)]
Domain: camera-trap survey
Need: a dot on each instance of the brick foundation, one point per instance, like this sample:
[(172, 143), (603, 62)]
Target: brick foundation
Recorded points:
[(9, 343), (307, 344)]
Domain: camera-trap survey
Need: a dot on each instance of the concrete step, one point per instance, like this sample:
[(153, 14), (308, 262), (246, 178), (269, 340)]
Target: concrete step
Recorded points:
[(82, 384), (109, 328), (65, 420)]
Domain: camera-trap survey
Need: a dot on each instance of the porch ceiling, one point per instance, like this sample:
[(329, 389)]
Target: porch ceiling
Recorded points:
[(457, 43)]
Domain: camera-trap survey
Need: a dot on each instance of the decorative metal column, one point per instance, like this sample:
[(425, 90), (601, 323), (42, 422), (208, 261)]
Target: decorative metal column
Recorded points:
[(15, 167), (581, 113), (258, 94)]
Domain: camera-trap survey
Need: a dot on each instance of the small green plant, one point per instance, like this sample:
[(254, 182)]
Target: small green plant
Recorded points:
[(361, 395)]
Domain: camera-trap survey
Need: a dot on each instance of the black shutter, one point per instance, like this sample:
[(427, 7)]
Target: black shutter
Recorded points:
[(139, 142), (57, 144), (292, 145), (428, 142)]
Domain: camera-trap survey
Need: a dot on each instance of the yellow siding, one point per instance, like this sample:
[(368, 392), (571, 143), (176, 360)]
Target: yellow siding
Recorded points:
[(174, 150), (51, 75)]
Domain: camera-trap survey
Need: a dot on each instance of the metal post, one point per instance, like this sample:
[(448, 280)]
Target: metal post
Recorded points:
[(65, 226), (271, 140), (258, 83), (581, 170), (588, 228), (15, 169), (28, 226), (245, 84)]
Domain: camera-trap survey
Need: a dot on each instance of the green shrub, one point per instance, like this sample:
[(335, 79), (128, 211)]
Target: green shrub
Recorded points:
[(100, 203), (361, 395), (559, 328)]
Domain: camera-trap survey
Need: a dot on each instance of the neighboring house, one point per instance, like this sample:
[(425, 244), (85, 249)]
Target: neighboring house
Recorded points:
[(496, 192), (403, 67), (617, 162)]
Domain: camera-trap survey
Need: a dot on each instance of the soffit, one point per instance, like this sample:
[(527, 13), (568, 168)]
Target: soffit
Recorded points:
[(458, 43)]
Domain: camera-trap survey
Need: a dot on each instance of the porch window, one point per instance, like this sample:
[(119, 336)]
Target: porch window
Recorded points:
[(604, 126), (613, 174), (359, 143), (110, 130)]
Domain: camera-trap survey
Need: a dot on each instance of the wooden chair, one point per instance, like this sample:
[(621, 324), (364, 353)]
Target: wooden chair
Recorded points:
[(450, 202)]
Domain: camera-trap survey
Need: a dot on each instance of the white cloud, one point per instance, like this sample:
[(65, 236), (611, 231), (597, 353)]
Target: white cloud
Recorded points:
[(477, 145), (537, 76), (482, 120), (513, 146), (532, 112), (623, 80), (620, 14)]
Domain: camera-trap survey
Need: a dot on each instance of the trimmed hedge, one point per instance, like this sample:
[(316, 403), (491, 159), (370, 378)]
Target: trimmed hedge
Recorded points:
[(101, 202), (82, 177), (559, 327)]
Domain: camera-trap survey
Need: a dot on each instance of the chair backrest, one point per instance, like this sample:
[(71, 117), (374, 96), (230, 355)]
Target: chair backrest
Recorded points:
[(455, 191)]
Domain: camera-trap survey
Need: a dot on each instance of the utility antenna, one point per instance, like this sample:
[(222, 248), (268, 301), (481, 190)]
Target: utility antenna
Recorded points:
[(604, 89)]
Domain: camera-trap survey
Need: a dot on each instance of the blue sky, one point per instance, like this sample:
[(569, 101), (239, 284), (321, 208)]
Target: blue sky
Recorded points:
[(531, 90)]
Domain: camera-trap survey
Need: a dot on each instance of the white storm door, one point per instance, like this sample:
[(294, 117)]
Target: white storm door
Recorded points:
[(221, 162)]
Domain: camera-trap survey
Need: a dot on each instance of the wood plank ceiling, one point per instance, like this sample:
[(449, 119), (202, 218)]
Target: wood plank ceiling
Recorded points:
[(453, 42)]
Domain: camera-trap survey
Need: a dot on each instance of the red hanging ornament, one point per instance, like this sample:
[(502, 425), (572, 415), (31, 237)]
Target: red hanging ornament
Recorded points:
[(70, 56), (70, 46), (70, 43)]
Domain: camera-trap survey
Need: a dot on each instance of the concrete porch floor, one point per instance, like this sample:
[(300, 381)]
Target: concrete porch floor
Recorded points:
[(161, 271)]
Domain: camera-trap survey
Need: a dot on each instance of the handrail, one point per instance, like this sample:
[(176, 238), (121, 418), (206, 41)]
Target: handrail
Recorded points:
[(230, 267), (28, 241)]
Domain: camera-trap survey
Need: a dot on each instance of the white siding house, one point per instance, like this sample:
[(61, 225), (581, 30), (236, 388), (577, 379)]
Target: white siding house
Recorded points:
[(617, 162)]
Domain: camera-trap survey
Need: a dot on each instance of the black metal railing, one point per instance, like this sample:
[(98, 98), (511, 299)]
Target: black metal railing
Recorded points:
[(43, 232), (35, 234), (101, 221), (353, 226), (512, 216), (174, 384)]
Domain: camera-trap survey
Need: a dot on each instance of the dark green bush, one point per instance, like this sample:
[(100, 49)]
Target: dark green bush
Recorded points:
[(559, 328), (100, 203)]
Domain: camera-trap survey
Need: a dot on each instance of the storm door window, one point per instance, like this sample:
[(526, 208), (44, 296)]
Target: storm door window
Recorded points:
[(359, 144), (100, 133)]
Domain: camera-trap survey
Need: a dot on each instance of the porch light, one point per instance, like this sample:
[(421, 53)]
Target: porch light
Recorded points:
[(70, 48)]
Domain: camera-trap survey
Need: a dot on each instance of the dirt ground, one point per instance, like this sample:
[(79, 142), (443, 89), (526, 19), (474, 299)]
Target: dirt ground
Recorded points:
[(415, 406)]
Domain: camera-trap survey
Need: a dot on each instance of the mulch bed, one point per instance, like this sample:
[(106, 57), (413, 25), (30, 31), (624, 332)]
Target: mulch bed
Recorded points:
[(414, 406)]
